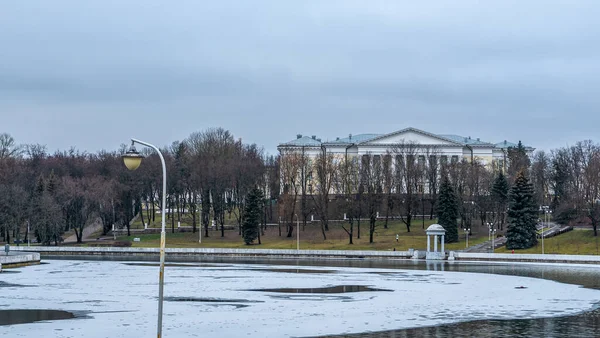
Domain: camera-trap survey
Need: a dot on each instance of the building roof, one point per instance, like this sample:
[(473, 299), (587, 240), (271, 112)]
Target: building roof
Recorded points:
[(305, 141), (354, 139), (466, 140), (505, 145)]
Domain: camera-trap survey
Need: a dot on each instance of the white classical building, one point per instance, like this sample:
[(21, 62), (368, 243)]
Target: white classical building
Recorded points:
[(447, 147)]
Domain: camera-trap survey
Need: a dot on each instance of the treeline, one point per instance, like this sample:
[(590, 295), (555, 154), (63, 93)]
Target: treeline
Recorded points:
[(208, 174), (405, 184)]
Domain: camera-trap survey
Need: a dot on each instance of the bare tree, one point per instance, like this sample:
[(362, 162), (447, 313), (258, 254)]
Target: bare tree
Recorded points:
[(540, 175), (432, 172), (372, 181), (408, 178), (388, 186), (326, 167), (8, 147), (291, 163), (348, 186)]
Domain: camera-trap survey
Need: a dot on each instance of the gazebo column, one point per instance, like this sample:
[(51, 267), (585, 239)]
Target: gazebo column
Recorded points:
[(443, 240), (435, 240), (428, 243)]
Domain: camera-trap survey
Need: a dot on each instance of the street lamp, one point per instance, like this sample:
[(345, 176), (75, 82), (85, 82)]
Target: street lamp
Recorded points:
[(491, 234), (467, 231), (546, 218), (132, 160), (490, 227), (297, 232)]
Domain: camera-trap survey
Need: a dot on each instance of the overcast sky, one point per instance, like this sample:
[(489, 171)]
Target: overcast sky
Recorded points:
[(91, 74)]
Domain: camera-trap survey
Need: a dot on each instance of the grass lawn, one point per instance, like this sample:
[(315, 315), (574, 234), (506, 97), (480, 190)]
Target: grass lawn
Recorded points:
[(311, 238), (186, 219), (576, 242)]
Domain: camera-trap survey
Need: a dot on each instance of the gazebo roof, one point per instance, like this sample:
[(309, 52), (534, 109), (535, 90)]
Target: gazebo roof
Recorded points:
[(435, 228)]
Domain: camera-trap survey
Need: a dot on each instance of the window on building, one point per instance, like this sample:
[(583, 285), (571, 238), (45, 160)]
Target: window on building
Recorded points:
[(454, 158), (444, 159), (421, 161)]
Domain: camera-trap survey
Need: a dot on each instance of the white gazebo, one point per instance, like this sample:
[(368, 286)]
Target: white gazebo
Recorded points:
[(435, 230)]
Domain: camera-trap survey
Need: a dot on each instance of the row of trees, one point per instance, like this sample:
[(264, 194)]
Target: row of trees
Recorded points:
[(402, 184), (405, 183), (209, 174)]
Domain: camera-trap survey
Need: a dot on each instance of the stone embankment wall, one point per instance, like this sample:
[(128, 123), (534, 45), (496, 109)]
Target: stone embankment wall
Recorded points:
[(13, 261), (536, 258), (190, 253), (115, 251)]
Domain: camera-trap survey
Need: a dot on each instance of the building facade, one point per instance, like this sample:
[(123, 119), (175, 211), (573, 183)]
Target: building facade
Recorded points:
[(446, 147)]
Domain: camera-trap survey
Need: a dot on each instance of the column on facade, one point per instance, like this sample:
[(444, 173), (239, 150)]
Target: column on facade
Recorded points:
[(435, 240)]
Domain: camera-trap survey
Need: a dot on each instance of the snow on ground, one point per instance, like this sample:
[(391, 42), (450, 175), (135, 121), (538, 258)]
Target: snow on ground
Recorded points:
[(121, 300)]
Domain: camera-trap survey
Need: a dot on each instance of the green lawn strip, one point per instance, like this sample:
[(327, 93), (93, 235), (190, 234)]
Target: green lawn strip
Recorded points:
[(337, 239), (576, 242)]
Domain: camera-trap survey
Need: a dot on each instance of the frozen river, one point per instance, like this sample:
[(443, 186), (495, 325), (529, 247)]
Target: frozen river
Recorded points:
[(119, 299)]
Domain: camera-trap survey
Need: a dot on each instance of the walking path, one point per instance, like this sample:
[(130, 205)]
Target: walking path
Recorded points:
[(553, 229), (87, 232)]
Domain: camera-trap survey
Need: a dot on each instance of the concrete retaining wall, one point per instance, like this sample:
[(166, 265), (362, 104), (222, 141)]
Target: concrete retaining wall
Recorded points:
[(538, 258), (64, 251), (110, 251), (13, 261)]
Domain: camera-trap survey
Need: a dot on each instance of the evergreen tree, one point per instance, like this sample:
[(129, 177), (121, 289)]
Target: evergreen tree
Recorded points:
[(499, 196), (40, 186), (447, 209), (522, 215), (252, 216), (518, 161), (51, 186)]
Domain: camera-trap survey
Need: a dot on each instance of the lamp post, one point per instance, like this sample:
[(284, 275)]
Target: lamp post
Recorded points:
[(467, 231), (490, 226), (546, 219), (297, 232), (132, 160), (491, 234)]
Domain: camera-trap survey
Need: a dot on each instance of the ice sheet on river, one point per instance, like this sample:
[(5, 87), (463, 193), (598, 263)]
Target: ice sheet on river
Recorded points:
[(216, 300)]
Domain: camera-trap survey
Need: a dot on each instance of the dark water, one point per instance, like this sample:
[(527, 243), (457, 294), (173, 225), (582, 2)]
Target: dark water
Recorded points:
[(309, 271), (584, 325), (236, 303), (11, 317), (329, 289)]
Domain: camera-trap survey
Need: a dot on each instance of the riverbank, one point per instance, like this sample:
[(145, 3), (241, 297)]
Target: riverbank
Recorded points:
[(194, 254)]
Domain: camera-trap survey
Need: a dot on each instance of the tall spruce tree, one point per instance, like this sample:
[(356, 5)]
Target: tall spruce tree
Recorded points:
[(518, 161), (522, 215), (447, 209), (252, 216)]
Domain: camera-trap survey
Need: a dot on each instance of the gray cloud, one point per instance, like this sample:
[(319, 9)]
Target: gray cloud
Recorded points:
[(76, 73)]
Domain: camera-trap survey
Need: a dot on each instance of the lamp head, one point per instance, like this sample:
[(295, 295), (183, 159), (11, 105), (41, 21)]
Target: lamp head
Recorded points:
[(132, 158)]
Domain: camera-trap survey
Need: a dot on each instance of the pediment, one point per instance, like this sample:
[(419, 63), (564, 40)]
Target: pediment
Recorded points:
[(411, 135)]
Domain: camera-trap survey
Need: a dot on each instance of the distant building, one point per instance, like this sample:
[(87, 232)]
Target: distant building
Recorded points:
[(446, 147)]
